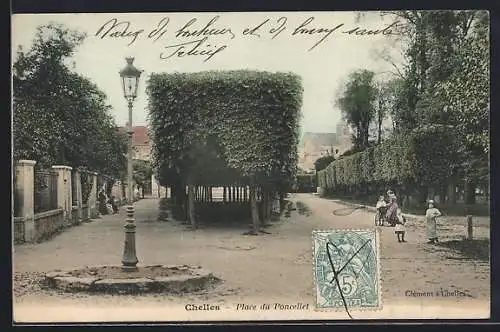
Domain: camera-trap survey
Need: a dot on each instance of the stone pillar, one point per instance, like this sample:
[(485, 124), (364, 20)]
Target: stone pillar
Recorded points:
[(94, 212), (64, 194), (77, 182), (25, 185), (155, 187)]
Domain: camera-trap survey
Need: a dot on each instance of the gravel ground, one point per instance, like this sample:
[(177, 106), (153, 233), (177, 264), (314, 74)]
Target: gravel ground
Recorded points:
[(256, 269)]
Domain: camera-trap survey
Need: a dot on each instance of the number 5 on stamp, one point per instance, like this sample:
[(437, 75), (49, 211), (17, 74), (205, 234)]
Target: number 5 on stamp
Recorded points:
[(346, 269)]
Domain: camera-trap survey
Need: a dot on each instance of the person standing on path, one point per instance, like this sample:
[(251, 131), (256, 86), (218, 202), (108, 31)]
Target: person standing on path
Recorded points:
[(392, 208), (431, 214), (400, 230)]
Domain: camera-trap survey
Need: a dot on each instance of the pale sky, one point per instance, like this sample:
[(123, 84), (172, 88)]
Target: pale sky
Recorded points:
[(323, 69)]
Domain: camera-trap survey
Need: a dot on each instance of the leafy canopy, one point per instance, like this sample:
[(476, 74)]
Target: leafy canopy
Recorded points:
[(59, 116), (222, 127)]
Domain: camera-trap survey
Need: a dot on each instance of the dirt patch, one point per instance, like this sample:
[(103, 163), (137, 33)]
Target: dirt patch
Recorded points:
[(303, 209), (115, 272), (469, 249)]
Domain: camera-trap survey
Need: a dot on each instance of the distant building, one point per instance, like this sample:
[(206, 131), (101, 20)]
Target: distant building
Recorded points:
[(141, 143), (316, 145)]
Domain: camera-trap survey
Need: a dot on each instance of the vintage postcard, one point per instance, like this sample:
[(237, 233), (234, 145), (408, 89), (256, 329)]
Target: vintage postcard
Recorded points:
[(251, 166)]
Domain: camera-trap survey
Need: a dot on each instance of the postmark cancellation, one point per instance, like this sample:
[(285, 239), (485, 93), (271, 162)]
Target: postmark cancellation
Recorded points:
[(346, 269)]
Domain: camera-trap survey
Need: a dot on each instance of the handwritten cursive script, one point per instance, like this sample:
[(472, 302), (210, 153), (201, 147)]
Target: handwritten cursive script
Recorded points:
[(193, 48), (202, 38), (207, 30), (115, 29)]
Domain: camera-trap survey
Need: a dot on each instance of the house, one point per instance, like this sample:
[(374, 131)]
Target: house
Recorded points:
[(142, 145), (315, 145)]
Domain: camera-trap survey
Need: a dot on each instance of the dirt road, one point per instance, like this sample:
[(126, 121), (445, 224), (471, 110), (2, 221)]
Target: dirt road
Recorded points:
[(274, 267)]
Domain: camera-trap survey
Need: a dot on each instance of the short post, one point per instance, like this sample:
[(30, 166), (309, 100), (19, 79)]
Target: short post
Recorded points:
[(93, 196), (155, 190), (469, 228), (79, 199), (64, 190), (25, 171)]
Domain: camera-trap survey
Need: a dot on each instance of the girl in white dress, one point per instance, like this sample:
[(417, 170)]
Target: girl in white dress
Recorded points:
[(431, 214), (400, 226)]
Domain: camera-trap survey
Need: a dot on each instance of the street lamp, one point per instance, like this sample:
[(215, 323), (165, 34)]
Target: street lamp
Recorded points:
[(130, 81)]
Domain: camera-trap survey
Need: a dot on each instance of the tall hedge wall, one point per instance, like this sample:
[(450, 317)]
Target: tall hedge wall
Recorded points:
[(223, 126), (424, 157)]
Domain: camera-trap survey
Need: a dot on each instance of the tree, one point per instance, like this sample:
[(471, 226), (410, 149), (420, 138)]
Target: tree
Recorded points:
[(59, 116), (323, 162), (357, 104), (142, 173), (445, 80)]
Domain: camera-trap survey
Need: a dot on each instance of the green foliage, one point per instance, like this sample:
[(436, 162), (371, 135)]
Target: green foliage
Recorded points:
[(142, 172), (445, 80), (322, 162), (59, 116), (305, 183), (426, 156), (223, 126), (357, 103), (86, 185)]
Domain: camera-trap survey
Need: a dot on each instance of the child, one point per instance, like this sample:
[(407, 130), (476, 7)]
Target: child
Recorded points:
[(112, 201), (431, 214), (400, 226), (381, 210)]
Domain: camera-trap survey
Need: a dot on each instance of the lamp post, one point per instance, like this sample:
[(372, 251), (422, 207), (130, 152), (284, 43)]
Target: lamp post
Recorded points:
[(130, 81)]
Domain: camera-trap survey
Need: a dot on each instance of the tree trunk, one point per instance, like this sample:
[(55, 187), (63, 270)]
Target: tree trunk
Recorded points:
[(224, 195), (266, 207), (282, 201), (423, 193), (253, 208), (229, 193), (470, 193), (263, 208), (452, 193), (442, 194), (380, 120), (245, 194), (191, 208)]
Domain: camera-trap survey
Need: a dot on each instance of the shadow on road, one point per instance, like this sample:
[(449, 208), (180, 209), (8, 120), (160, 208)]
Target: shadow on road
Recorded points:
[(469, 249), (303, 209)]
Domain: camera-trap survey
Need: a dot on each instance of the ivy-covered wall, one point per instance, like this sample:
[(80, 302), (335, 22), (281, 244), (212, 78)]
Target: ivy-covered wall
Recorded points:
[(424, 157)]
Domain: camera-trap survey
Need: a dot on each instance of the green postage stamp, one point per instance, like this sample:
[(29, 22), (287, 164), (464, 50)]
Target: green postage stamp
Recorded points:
[(346, 269)]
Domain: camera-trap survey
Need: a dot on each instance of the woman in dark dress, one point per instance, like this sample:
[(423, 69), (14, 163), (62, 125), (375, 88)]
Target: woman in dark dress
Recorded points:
[(102, 203)]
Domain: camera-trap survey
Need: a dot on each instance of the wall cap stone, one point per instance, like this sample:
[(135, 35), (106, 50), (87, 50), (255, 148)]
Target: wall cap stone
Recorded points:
[(26, 162), (62, 167)]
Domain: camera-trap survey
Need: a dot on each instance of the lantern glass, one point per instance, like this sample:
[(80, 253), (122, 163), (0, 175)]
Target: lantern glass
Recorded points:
[(130, 86), (130, 79)]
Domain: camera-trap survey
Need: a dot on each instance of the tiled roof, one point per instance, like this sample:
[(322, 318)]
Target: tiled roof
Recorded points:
[(320, 139), (140, 136)]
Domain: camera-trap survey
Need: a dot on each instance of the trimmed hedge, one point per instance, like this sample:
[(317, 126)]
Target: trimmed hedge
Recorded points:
[(223, 126), (305, 183), (424, 157)]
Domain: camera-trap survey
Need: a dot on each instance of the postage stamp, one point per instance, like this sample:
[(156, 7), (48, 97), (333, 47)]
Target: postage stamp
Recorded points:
[(346, 269)]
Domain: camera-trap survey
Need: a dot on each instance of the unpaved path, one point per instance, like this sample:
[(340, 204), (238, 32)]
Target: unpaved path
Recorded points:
[(274, 267)]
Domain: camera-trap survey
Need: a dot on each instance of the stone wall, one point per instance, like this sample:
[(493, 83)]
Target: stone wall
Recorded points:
[(18, 230), (48, 223)]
